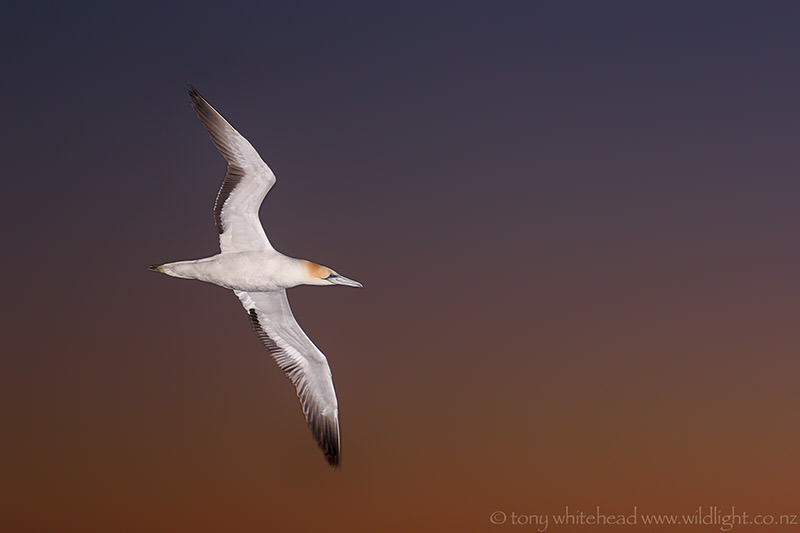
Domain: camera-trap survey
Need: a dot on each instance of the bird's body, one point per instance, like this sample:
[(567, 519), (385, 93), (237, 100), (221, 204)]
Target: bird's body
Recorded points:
[(259, 276), (261, 270)]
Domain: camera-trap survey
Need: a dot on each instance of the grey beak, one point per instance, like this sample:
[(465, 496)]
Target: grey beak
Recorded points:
[(341, 280)]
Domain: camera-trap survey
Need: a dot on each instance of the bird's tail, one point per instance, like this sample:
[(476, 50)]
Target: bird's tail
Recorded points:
[(178, 269)]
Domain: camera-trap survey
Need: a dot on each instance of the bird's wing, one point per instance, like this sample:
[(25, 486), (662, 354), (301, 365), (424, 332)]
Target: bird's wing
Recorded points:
[(246, 182), (301, 361)]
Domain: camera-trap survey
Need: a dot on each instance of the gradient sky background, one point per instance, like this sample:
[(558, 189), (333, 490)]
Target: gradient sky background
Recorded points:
[(576, 224)]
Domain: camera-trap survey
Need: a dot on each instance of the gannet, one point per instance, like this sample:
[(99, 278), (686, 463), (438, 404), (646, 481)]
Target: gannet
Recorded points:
[(259, 276)]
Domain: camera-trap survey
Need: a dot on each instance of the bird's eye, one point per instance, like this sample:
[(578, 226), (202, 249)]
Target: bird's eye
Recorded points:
[(332, 275)]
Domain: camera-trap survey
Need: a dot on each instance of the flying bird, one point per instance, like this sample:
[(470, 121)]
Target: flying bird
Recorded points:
[(259, 276)]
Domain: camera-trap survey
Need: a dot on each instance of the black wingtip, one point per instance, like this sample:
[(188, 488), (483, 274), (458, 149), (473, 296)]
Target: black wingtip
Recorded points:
[(327, 436), (154, 268), (194, 95), (334, 460)]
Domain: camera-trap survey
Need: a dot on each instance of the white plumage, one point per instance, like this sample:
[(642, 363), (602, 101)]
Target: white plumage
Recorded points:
[(259, 276)]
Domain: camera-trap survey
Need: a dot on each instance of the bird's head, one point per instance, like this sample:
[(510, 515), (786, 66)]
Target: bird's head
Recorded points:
[(322, 275)]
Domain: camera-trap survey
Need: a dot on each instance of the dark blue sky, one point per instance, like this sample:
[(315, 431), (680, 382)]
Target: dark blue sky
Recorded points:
[(521, 104)]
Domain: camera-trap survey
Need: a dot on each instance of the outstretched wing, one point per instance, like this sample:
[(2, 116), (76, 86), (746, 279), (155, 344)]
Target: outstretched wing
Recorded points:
[(245, 185), (301, 361)]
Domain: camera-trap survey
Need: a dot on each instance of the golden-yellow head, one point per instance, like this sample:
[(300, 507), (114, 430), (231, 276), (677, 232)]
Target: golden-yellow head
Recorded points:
[(322, 275)]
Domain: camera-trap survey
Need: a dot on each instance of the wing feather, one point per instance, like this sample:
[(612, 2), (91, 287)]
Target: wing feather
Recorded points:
[(246, 183), (301, 361)]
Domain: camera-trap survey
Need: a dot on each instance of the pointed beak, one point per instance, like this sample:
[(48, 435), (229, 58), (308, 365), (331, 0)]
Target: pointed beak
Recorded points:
[(341, 280)]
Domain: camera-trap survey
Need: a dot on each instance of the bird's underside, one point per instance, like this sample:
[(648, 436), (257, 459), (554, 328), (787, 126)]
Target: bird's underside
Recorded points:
[(249, 265)]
